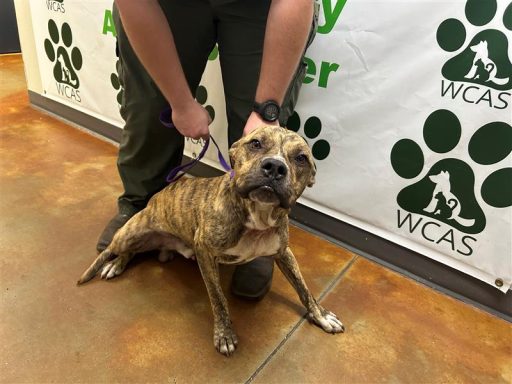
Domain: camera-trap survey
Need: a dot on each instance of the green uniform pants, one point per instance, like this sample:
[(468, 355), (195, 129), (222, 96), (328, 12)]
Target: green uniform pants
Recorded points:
[(148, 150)]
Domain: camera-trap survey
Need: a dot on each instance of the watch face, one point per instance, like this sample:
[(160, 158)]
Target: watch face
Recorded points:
[(271, 112)]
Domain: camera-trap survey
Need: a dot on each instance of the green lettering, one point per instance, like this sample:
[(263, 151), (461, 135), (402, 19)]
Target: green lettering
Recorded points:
[(325, 70), (108, 23), (330, 15), (310, 70)]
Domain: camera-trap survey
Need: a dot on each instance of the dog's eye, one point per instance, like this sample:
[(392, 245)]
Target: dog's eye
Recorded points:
[(301, 159), (255, 144)]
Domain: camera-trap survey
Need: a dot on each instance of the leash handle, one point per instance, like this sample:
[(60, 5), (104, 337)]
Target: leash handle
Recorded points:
[(174, 175)]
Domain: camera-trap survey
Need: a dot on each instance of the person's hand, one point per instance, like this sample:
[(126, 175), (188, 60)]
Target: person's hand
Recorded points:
[(255, 121), (192, 120)]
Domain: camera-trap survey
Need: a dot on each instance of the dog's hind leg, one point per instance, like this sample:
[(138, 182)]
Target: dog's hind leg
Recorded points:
[(124, 246), (116, 267), (136, 236), (103, 257), (126, 242), (431, 207), (472, 72)]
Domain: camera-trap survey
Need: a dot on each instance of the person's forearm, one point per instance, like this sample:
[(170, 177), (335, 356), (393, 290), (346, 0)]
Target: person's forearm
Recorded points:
[(288, 26), (143, 20)]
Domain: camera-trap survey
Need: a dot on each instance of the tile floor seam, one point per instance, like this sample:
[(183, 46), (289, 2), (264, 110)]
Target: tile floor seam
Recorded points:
[(329, 288), (338, 278)]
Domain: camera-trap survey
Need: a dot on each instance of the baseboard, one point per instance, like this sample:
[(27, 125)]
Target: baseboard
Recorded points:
[(88, 122)]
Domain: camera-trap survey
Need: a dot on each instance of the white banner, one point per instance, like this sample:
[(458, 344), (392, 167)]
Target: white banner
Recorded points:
[(406, 104), (417, 116)]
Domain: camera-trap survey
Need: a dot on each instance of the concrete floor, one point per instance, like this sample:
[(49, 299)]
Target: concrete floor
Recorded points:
[(58, 188)]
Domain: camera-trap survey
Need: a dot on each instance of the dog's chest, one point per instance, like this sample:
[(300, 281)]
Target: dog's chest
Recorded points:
[(254, 243)]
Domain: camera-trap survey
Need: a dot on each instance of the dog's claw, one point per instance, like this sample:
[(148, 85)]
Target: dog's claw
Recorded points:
[(226, 344), (336, 325), (226, 347), (89, 274), (113, 269), (329, 322)]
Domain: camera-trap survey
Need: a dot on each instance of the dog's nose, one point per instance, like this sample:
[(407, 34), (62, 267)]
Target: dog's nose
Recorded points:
[(274, 169)]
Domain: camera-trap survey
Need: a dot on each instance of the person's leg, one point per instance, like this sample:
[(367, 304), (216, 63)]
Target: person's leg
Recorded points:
[(148, 150), (241, 33)]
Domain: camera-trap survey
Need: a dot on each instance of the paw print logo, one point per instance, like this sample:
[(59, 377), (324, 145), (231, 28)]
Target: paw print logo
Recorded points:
[(446, 192), (201, 97), (66, 65), (484, 60), (312, 129), (116, 84)]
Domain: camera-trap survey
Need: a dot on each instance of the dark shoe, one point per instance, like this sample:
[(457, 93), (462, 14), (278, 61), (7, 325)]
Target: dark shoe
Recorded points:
[(252, 281), (110, 230)]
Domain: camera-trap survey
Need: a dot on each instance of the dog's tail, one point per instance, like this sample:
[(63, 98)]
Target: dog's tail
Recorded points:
[(499, 80), (452, 203), (103, 257)]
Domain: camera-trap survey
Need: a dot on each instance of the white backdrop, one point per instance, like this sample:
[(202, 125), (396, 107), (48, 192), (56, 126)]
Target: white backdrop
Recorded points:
[(406, 104)]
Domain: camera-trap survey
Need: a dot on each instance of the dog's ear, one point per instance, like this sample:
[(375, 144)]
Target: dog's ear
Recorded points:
[(311, 181), (232, 152)]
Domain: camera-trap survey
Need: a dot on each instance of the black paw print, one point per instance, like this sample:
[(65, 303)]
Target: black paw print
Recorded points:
[(312, 129), (116, 84), (201, 97), (66, 65)]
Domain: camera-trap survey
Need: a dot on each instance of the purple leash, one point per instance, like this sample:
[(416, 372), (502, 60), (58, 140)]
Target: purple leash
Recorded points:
[(174, 175)]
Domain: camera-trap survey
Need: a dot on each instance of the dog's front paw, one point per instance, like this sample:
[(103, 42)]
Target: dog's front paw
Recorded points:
[(114, 268), (225, 340), (327, 320)]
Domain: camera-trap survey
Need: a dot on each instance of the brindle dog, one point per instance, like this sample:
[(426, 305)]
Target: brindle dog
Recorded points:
[(229, 221)]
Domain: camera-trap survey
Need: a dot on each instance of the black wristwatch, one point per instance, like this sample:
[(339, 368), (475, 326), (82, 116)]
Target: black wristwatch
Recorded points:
[(268, 110)]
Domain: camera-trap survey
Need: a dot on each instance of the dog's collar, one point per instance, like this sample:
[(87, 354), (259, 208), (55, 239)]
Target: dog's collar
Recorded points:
[(166, 120)]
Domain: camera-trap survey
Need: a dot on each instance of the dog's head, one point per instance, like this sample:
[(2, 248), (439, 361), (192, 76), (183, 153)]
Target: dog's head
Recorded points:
[(272, 166), (441, 178), (480, 49)]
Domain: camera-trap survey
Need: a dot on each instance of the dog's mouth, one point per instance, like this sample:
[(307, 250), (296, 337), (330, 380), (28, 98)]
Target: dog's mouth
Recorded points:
[(268, 194), (264, 194)]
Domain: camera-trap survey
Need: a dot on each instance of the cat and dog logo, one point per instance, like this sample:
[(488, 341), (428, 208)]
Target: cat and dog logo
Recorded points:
[(67, 61), (480, 70), (484, 60), (483, 68), (442, 206), (443, 199)]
